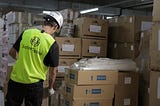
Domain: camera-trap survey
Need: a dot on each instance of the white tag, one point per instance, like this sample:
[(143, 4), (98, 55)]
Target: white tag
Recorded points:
[(130, 19), (62, 68), (127, 80), (95, 28), (115, 45), (127, 102), (142, 34), (158, 89), (94, 49), (116, 19), (67, 47), (145, 25), (158, 40), (132, 47)]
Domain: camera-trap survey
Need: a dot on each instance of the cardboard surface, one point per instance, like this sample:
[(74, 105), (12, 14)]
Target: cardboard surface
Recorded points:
[(92, 77), (154, 93), (156, 8), (94, 47), (69, 46), (127, 29), (126, 95), (128, 78), (91, 27), (87, 102), (90, 91)]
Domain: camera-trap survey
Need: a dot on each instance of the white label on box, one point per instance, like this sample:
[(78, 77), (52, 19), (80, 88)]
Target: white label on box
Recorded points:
[(94, 49), (62, 68), (95, 28), (158, 40), (116, 19), (127, 102), (67, 47), (132, 47), (158, 89), (130, 19), (142, 34), (127, 80), (145, 25), (115, 45)]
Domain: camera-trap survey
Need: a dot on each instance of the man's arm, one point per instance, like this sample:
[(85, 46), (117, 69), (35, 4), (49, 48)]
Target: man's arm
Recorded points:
[(52, 76), (13, 53)]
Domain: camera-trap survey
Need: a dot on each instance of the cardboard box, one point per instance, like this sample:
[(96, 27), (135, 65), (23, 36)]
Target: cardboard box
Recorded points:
[(128, 78), (94, 47), (65, 63), (156, 8), (128, 28), (69, 46), (126, 96), (91, 27), (123, 50), (155, 47), (87, 102), (90, 91), (92, 77), (154, 93)]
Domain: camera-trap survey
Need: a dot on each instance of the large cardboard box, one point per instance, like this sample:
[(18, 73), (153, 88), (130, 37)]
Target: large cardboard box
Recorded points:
[(128, 28), (65, 63), (92, 77), (90, 91), (87, 102), (155, 47), (69, 47), (119, 50), (126, 96), (128, 78), (156, 8), (91, 27), (154, 94), (94, 47)]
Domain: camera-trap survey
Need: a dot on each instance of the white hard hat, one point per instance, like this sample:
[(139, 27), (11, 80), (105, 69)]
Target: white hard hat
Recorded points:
[(54, 16)]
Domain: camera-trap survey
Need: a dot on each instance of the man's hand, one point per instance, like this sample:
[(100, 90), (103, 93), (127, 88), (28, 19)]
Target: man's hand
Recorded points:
[(51, 91)]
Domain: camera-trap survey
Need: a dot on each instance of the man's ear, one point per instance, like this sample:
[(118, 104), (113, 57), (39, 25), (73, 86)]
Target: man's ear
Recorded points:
[(56, 27)]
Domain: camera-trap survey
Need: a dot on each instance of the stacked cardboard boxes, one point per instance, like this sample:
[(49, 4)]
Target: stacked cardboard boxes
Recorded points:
[(126, 91), (154, 91), (124, 35), (16, 23), (93, 33), (68, 28), (89, 88)]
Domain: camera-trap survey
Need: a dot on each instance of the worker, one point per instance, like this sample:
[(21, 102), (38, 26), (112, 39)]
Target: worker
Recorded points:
[(37, 52)]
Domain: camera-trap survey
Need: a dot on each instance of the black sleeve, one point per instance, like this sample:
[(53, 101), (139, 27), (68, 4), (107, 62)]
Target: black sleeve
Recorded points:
[(17, 43), (52, 57)]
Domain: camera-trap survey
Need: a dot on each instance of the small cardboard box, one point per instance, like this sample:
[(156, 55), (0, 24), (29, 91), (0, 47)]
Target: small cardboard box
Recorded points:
[(87, 102), (92, 77), (69, 46), (126, 78), (94, 47), (91, 27), (89, 91), (126, 96)]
